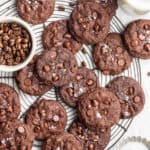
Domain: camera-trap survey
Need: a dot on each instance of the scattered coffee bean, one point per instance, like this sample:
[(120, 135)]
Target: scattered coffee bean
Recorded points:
[(15, 44)]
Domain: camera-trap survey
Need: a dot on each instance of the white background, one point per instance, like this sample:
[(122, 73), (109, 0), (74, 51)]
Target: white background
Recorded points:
[(141, 123)]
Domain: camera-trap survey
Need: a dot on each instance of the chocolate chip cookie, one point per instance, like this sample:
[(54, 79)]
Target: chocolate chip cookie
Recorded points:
[(9, 103), (57, 34), (85, 81), (130, 93), (89, 23), (109, 5), (111, 56), (64, 141), (99, 109), (28, 80), (97, 140), (57, 67), (46, 117), (137, 37), (35, 11), (15, 136)]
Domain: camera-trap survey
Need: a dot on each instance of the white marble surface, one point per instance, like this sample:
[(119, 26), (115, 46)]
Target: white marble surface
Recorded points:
[(141, 123)]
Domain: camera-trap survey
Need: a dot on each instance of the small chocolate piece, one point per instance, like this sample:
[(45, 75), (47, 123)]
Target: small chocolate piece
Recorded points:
[(9, 103), (35, 11), (64, 141), (85, 81), (109, 5), (63, 66), (97, 140), (15, 136), (46, 117), (137, 38), (130, 93), (57, 34), (28, 80), (102, 114), (111, 56), (89, 23)]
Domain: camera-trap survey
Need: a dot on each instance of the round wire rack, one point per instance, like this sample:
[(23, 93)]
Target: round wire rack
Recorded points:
[(8, 8)]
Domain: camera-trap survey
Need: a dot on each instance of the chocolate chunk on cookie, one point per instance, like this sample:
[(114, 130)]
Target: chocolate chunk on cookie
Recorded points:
[(64, 141), (137, 37), (15, 136), (85, 81), (57, 34), (28, 80), (111, 56), (46, 117), (109, 5), (130, 93), (35, 11), (9, 103), (90, 140), (57, 67), (99, 109), (89, 23)]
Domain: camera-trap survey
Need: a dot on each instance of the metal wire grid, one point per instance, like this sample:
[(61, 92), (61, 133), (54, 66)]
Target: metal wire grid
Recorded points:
[(7, 8)]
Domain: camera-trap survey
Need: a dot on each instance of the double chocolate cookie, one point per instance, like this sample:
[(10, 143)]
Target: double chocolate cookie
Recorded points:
[(9, 103), (35, 11), (137, 37), (46, 117), (109, 5), (89, 23), (57, 34), (90, 140), (130, 94), (28, 80), (111, 56), (15, 136), (57, 67), (64, 141), (85, 81), (99, 109)]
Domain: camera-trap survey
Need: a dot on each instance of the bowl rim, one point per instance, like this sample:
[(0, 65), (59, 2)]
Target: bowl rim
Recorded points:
[(6, 68)]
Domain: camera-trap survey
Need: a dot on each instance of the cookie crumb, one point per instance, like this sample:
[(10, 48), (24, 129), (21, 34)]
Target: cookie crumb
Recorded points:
[(61, 8), (83, 64), (84, 51)]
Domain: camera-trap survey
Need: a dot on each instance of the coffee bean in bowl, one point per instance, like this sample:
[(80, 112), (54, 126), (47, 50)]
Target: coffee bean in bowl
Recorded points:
[(17, 44)]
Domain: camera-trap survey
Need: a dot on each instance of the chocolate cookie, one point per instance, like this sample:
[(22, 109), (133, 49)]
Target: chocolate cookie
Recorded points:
[(90, 140), (46, 117), (57, 67), (130, 93), (64, 141), (89, 23), (111, 56), (9, 103), (137, 37), (109, 5), (57, 34), (35, 11), (99, 109), (28, 80), (15, 136), (85, 81)]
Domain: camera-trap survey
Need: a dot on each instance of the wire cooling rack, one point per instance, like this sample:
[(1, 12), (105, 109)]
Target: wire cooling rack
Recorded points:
[(8, 8)]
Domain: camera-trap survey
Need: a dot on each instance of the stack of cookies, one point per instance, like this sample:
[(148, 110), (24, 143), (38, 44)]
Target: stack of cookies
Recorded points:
[(98, 108)]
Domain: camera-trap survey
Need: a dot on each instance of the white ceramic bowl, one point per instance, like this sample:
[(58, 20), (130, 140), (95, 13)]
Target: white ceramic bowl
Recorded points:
[(21, 65), (138, 7)]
